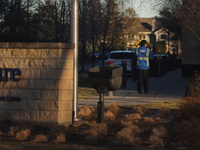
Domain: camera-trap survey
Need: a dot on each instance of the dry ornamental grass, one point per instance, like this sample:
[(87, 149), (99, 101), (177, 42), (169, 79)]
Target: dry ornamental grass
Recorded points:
[(85, 111), (61, 138), (40, 138), (141, 109), (156, 138), (128, 135), (114, 108), (133, 117), (148, 121), (135, 126), (109, 117), (23, 135)]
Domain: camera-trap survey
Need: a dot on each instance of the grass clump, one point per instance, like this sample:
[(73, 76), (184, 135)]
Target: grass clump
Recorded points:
[(109, 117), (141, 109), (148, 121), (128, 135), (85, 111), (156, 138), (114, 108), (13, 130), (94, 133), (23, 135), (61, 138), (133, 117), (40, 138)]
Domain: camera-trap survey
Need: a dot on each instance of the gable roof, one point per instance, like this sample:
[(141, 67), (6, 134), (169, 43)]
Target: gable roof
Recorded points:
[(145, 24)]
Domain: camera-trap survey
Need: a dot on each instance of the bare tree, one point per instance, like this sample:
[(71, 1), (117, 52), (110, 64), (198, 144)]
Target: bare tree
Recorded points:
[(191, 19), (94, 20), (111, 24), (187, 12), (131, 26)]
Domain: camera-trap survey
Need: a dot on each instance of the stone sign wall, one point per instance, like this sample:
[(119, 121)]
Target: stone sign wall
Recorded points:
[(36, 82)]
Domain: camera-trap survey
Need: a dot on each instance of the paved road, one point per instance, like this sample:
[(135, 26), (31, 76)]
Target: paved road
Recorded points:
[(168, 88)]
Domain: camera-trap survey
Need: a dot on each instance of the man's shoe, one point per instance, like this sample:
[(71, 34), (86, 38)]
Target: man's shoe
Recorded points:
[(139, 92), (146, 92)]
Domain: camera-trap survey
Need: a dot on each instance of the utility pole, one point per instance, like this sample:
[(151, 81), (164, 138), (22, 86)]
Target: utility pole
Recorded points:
[(74, 40), (27, 24)]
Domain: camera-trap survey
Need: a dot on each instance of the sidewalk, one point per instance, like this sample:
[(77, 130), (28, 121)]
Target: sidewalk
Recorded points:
[(168, 88)]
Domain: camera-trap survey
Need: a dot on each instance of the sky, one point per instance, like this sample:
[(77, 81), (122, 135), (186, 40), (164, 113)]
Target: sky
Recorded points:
[(145, 8)]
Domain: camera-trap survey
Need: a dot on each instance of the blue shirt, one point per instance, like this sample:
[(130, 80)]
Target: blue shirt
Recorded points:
[(141, 58)]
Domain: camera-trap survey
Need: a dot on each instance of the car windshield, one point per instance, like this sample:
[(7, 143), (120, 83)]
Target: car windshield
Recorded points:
[(121, 55)]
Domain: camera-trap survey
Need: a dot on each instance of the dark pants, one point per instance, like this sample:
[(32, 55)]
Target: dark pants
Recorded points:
[(142, 79)]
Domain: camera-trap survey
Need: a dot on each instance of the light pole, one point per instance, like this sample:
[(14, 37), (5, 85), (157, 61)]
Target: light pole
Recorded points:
[(74, 39)]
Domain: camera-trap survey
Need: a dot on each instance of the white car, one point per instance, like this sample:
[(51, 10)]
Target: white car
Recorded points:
[(116, 58)]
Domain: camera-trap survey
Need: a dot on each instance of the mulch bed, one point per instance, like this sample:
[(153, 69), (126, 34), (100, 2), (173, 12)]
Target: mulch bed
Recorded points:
[(136, 126)]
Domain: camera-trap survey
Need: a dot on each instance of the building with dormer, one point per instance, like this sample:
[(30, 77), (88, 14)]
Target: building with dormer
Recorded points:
[(150, 31)]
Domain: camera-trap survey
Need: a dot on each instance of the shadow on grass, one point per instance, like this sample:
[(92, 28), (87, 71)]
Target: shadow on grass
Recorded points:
[(85, 89), (12, 145)]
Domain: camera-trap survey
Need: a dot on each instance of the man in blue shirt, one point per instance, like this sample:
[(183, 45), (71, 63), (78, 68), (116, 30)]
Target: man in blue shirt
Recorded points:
[(141, 57)]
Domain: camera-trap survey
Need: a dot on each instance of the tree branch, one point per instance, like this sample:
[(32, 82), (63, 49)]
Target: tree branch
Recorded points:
[(193, 32)]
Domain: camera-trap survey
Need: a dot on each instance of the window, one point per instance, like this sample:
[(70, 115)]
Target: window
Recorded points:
[(121, 55), (140, 36), (163, 36)]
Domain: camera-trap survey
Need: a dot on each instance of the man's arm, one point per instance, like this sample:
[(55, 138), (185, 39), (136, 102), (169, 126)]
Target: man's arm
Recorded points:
[(151, 55)]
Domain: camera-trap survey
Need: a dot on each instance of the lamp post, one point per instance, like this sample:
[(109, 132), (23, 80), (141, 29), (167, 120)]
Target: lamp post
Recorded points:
[(74, 39)]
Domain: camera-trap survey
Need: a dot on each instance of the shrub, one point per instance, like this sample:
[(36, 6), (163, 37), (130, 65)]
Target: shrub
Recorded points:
[(190, 108), (160, 47), (23, 135), (190, 133), (193, 86)]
